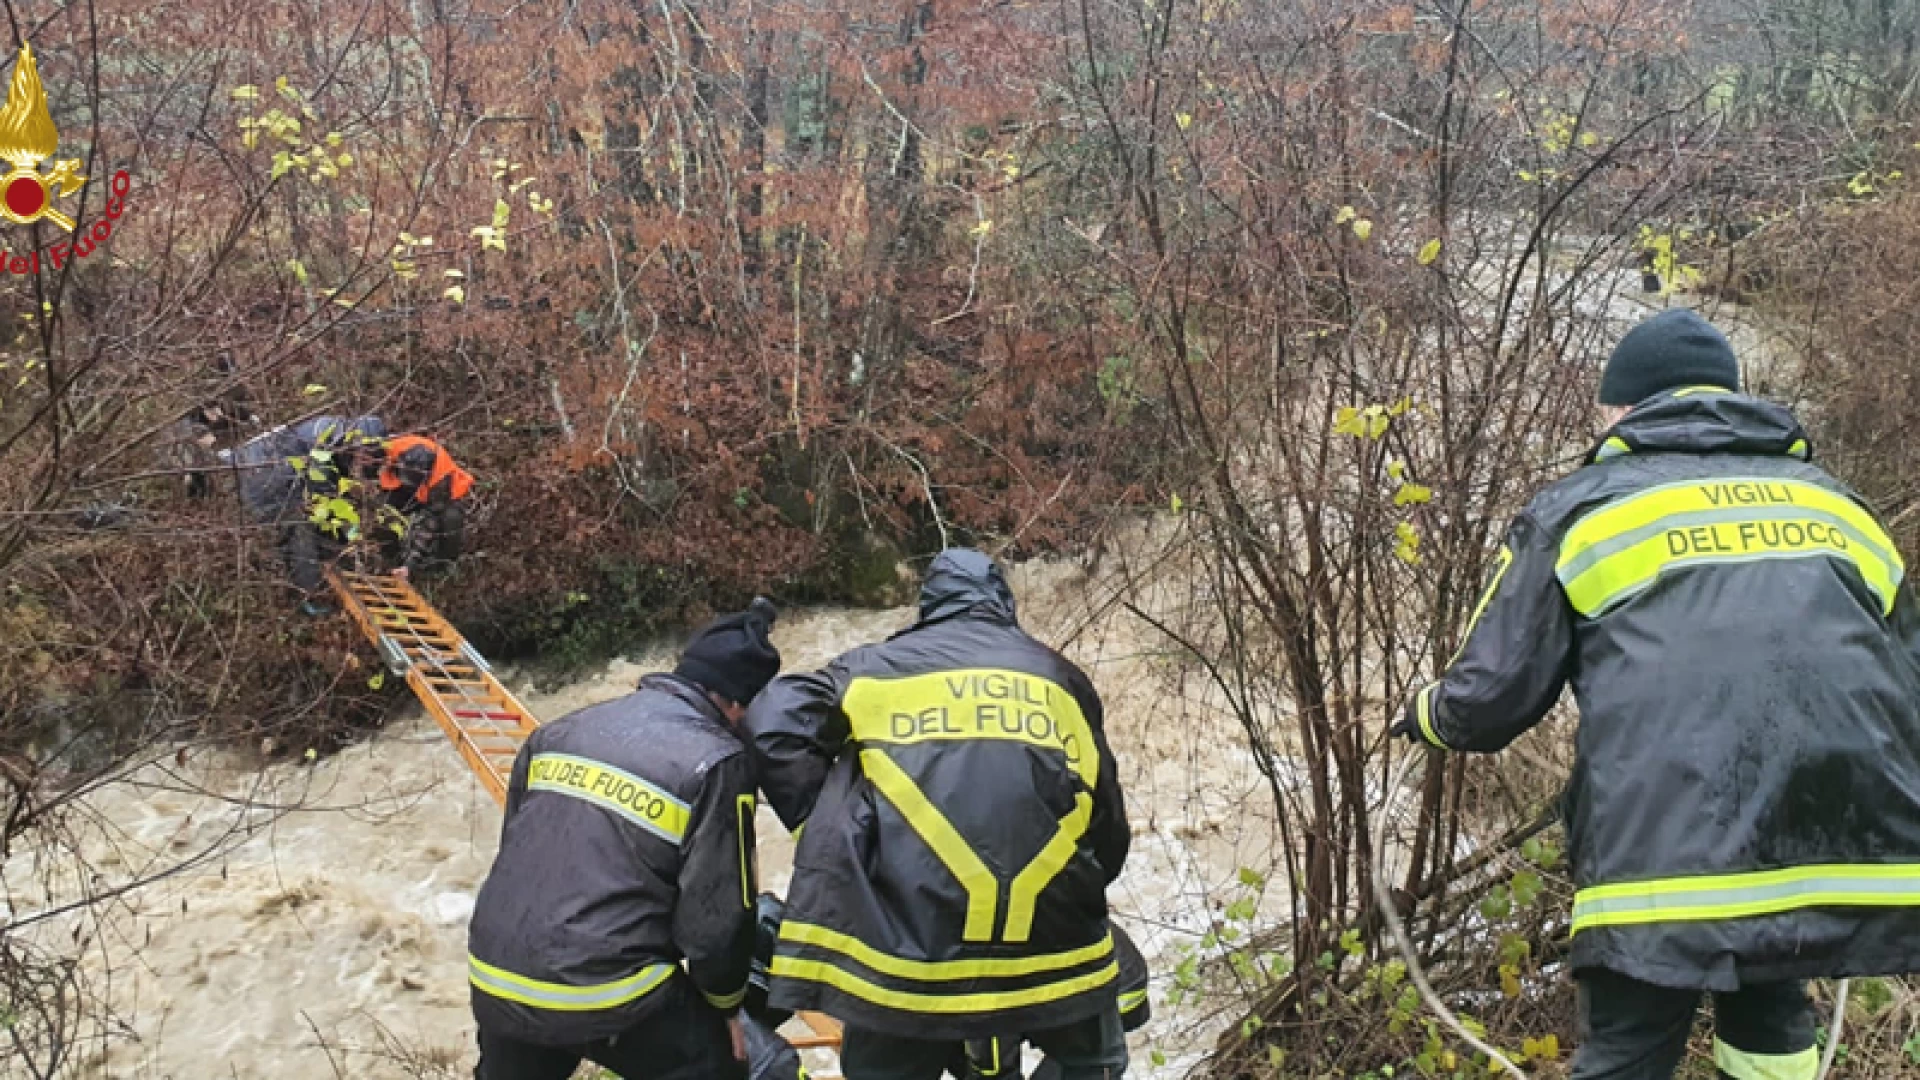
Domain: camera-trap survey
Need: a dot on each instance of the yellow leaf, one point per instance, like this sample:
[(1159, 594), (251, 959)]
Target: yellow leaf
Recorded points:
[(456, 294), (404, 270), (1185, 120), (333, 138), (981, 229), (250, 140), (313, 388), (501, 212), (1509, 980), (1588, 138), (1407, 548), (1175, 504), (1396, 469), (1347, 421), (1345, 215), (1363, 228), (1412, 495), (312, 754), (1429, 251), (378, 680), (298, 270), (245, 93), (451, 273)]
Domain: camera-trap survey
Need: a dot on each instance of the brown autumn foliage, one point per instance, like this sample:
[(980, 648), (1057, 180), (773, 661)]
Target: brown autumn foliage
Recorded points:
[(723, 298)]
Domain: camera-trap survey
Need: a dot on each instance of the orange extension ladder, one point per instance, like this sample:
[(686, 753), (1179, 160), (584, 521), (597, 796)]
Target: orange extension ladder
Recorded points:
[(481, 717)]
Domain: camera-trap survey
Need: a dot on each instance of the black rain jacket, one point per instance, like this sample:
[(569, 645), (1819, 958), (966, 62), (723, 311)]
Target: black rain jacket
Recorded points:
[(279, 470), (962, 822), (1745, 801), (627, 850)]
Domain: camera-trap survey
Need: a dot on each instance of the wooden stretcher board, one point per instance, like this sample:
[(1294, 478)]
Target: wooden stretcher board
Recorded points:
[(479, 715)]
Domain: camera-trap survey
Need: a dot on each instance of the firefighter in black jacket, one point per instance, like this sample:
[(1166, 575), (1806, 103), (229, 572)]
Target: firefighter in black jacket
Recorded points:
[(963, 819), (617, 922), (1744, 811)]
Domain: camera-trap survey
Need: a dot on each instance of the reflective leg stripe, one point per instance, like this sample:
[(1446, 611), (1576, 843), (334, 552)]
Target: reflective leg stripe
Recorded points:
[(787, 967), (561, 997), (1613, 554), (1028, 884), (1745, 1065), (726, 1002), (1737, 896), (941, 970), (983, 889)]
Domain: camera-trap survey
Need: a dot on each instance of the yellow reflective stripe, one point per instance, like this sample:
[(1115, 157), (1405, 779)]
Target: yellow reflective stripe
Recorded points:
[(1030, 882), (1689, 391), (1744, 1065), (1798, 449), (726, 1002), (1132, 1000), (1423, 712), (1611, 554), (972, 703), (560, 997), (983, 889), (743, 811), (941, 970), (621, 792), (1613, 447), (1736, 896), (994, 1001), (1500, 565)]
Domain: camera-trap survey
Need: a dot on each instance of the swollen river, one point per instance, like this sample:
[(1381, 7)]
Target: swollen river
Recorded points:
[(330, 940)]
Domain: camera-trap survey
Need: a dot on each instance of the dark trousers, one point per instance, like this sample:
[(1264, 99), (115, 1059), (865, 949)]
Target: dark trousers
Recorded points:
[(306, 550), (1637, 1031), (1092, 1049), (684, 1039), (435, 538)]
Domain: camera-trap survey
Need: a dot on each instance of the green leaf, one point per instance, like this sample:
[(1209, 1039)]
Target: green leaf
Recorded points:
[(311, 389), (1526, 888), (1276, 1058), (1412, 495), (378, 680), (1159, 1059), (1252, 879), (1428, 252)]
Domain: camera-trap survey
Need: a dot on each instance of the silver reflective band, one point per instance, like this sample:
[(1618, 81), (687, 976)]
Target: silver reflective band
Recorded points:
[(1736, 896), (560, 997)]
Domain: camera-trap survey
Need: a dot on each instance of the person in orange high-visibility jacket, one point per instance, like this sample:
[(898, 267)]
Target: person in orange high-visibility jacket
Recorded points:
[(429, 489)]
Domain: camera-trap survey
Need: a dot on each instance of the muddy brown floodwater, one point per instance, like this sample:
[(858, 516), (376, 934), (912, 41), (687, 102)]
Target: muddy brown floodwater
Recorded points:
[(329, 940)]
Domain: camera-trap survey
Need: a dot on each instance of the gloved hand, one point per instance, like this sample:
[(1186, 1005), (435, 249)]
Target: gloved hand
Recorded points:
[(1408, 729)]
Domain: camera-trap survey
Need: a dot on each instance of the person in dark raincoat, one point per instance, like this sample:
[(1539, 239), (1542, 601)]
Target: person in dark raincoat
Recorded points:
[(1744, 811), (962, 820), (284, 470)]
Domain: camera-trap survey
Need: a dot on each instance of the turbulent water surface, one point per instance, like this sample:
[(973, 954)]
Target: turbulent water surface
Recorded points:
[(330, 940)]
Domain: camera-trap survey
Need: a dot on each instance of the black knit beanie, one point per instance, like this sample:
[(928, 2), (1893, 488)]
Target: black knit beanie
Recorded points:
[(1673, 349), (733, 656)]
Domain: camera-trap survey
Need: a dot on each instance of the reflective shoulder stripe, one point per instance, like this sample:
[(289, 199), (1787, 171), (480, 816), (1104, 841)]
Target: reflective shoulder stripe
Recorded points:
[(1694, 391), (983, 889), (560, 997), (972, 703), (941, 970), (1612, 554), (787, 967), (616, 790), (1738, 896), (1746, 1065), (1612, 448)]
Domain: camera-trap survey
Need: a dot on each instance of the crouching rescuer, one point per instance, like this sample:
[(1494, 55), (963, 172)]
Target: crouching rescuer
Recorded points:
[(617, 923), (1744, 810), (962, 820)]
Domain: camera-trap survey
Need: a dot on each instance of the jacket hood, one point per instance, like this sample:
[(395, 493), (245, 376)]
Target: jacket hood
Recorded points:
[(963, 580), (1703, 420)]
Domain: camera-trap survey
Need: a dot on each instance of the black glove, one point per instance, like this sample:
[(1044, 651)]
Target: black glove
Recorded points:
[(1409, 729), (767, 913)]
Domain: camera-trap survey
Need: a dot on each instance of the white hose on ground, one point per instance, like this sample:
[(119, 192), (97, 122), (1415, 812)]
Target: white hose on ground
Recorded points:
[(1384, 899)]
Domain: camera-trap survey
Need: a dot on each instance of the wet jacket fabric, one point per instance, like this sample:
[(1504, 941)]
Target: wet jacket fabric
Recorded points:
[(962, 820), (270, 486), (626, 860), (1741, 641)]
